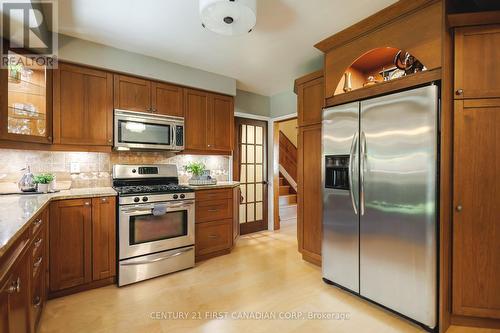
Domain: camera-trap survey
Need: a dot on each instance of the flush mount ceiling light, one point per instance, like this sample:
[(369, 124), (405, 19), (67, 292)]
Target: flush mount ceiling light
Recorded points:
[(229, 17)]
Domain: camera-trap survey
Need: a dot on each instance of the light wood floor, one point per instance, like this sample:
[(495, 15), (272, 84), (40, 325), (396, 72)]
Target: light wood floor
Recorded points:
[(263, 274)]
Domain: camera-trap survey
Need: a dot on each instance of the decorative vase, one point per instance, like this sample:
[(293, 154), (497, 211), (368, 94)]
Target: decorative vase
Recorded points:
[(42, 188), (347, 81)]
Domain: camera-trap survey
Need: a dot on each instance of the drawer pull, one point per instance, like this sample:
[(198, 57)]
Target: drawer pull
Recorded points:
[(15, 287), (213, 210), (37, 301), (213, 236), (38, 242), (104, 199), (87, 203), (38, 262)]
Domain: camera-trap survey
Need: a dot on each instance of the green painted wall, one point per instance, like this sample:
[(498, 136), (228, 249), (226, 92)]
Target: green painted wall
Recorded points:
[(88, 53), (248, 102)]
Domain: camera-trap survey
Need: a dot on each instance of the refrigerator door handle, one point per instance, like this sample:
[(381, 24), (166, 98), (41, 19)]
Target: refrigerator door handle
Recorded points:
[(354, 144), (362, 158)]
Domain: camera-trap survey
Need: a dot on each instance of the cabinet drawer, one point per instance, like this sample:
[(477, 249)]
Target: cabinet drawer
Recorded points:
[(38, 223), (213, 210), (226, 193), (213, 236)]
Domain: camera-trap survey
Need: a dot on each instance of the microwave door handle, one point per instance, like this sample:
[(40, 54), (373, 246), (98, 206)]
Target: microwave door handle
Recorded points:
[(172, 138), (354, 144)]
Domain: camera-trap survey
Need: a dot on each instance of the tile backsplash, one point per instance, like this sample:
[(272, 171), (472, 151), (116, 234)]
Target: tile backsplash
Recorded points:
[(95, 168)]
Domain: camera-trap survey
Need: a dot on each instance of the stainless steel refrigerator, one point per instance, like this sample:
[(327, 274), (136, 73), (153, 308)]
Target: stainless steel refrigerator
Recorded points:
[(380, 201)]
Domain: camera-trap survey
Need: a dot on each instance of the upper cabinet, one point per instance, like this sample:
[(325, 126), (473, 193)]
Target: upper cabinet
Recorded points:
[(209, 122), (134, 94), (83, 96), (310, 98), (26, 103), (167, 99), (477, 72), (221, 123)]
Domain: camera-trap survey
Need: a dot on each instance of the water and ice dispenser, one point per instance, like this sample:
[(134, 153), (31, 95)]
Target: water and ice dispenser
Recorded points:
[(337, 172)]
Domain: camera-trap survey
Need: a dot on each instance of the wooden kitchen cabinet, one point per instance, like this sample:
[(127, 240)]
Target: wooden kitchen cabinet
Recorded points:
[(103, 238), (70, 243), (136, 94), (214, 234), (310, 99), (15, 299), (83, 106), (132, 94), (209, 120), (476, 223), (25, 102), (310, 208), (82, 244), (221, 123), (167, 99), (477, 72), (22, 279), (196, 122)]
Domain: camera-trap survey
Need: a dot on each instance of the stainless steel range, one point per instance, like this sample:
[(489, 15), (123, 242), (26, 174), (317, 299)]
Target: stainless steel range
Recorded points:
[(156, 222)]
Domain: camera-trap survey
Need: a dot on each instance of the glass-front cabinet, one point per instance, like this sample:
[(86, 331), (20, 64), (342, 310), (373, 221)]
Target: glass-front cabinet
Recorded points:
[(26, 113)]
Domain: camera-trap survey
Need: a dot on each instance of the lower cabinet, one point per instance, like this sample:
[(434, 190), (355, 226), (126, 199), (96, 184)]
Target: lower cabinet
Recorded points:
[(82, 244), (476, 222), (310, 209), (214, 234), (22, 279)]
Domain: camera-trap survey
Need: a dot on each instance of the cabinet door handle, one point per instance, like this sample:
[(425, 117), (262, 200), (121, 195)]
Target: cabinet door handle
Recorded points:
[(38, 262), (37, 301), (87, 203), (104, 199), (15, 287), (459, 92), (38, 222), (459, 208), (38, 242)]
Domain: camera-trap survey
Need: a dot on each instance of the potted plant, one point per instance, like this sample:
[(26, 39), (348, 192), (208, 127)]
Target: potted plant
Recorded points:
[(43, 181), (196, 169)]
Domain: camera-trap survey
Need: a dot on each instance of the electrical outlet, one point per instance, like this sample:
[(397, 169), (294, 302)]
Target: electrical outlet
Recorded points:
[(75, 167)]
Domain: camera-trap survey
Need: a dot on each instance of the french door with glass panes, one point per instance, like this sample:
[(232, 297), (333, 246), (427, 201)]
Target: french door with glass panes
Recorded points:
[(250, 169)]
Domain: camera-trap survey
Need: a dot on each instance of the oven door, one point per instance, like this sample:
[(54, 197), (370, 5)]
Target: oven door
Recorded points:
[(150, 228), (136, 130)]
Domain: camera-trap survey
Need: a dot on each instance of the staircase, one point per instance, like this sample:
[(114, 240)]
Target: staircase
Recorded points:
[(288, 175), (287, 201)]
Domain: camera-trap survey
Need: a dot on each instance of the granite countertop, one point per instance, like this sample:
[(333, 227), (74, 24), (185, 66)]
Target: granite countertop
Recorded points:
[(230, 184), (16, 211)]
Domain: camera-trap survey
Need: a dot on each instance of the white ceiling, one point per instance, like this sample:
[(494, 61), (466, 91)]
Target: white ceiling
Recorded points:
[(265, 61)]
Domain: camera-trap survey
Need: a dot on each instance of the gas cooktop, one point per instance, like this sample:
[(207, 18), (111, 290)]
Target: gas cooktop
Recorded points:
[(152, 189)]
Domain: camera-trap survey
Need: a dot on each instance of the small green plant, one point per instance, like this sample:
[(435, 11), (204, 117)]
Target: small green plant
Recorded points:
[(195, 168), (44, 178)]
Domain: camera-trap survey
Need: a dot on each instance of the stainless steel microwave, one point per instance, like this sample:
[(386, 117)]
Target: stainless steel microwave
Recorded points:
[(145, 131)]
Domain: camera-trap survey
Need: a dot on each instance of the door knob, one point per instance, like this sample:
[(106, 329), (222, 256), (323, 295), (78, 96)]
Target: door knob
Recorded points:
[(459, 208)]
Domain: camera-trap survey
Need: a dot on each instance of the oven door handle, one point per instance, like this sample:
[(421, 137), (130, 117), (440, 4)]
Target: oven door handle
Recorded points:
[(144, 262), (137, 212), (180, 204)]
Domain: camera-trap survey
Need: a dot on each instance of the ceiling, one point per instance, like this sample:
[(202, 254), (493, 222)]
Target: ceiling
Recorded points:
[(266, 61)]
